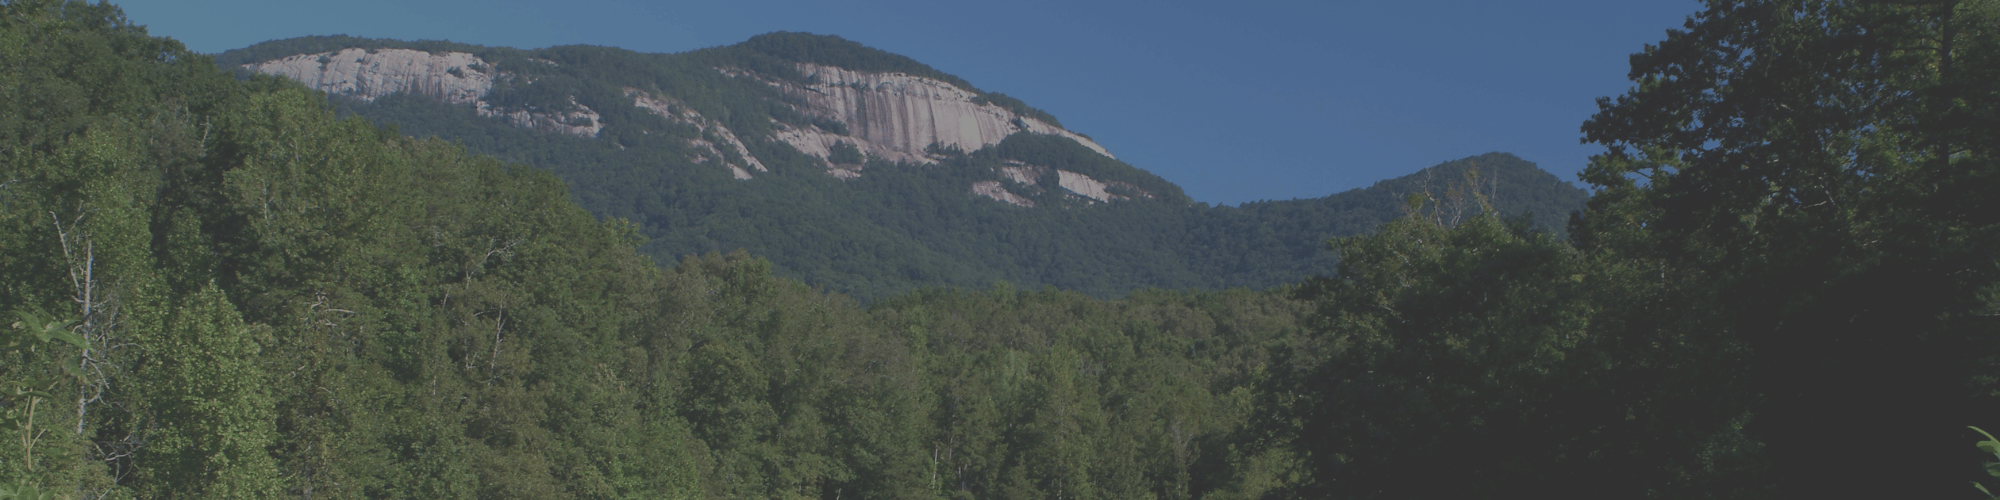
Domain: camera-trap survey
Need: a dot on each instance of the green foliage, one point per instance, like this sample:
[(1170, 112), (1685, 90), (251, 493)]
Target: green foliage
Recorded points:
[(1992, 447), (271, 301), (898, 227), (1812, 171), (255, 298), (1009, 103), (278, 49), (768, 52), (1784, 231), (1050, 393), (30, 341), (832, 50), (846, 154), (32, 328), (210, 395), (830, 125), (1066, 153), (901, 227), (1495, 351)]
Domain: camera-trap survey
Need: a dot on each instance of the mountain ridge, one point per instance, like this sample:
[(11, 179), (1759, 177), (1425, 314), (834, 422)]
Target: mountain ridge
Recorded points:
[(772, 147), (881, 104)]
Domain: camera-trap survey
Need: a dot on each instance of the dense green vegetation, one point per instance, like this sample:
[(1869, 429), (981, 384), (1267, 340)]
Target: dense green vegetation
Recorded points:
[(897, 227), (228, 293), (215, 288), (1784, 286)]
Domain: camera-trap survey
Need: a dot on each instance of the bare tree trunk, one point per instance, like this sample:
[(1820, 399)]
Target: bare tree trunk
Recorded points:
[(98, 315)]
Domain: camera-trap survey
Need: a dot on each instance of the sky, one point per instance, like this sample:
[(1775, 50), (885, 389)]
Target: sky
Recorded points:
[(1234, 101)]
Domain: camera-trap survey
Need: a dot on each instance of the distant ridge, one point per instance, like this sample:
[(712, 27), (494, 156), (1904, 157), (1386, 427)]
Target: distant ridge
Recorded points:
[(855, 168)]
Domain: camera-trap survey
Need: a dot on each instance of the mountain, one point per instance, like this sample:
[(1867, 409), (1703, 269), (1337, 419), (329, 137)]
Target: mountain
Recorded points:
[(854, 168), (213, 288), (891, 108)]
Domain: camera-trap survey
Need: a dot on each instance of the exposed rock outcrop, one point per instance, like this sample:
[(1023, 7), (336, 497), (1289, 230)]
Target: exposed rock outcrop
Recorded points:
[(992, 189), (1024, 174), (740, 163), (581, 121), (896, 116), (893, 116), (453, 77), (365, 74), (1082, 186), (816, 142)]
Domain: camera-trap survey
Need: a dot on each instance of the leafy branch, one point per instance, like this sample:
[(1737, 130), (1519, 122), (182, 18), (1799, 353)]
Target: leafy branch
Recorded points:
[(33, 333)]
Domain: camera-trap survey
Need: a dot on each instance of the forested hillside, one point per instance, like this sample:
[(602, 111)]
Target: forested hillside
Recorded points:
[(896, 225), (1784, 286), (218, 290)]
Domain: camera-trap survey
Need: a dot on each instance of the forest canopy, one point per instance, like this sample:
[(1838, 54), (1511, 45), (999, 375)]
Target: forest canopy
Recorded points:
[(217, 287)]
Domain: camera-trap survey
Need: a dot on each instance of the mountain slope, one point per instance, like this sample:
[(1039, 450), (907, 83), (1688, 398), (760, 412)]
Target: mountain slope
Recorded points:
[(215, 289), (850, 167)]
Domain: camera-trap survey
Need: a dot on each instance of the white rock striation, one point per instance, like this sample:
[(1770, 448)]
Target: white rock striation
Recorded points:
[(453, 77), (896, 115), (581, 121), (1024, 174), (992, 189), (1083, 186), (710, 151)]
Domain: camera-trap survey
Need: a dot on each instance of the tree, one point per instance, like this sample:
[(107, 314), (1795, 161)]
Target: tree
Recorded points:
[(31, 339), (211, 404), (1497, 355), (1818, 176)]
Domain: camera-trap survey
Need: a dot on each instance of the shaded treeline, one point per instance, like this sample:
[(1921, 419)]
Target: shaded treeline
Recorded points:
[(271, 302), (1788, 273)]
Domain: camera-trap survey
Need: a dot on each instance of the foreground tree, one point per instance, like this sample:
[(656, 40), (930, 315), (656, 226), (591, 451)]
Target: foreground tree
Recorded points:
[(1824, 171), (1504, 358), (1787, 275)]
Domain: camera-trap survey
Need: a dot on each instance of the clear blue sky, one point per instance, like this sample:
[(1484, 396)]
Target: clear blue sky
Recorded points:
[(1234, 101)]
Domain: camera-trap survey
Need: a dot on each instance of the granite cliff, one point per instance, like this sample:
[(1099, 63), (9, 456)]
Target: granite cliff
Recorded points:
[(453, 77), (865, 171), (897, 116), (885, 115)]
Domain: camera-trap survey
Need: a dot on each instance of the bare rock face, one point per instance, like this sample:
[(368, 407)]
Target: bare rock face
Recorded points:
[(725, 146), (992, 189), (893, 116), (581, 121), (896, 116), (454, 77), (1082, 185), (1023, 174), (1029, 177)]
